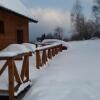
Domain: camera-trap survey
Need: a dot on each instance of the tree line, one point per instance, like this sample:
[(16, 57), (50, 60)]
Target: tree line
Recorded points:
[(81, 27), (84, 28), (57, 34)]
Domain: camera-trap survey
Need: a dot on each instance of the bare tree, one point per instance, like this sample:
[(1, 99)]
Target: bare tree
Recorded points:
[(96, 12), (78, 19), (58, 33), (89, 29)]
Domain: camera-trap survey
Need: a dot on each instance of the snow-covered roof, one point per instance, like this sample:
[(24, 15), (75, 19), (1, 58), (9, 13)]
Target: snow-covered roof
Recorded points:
[(16, 6)]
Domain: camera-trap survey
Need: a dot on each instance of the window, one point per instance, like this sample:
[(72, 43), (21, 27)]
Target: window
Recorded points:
[(1, 27)]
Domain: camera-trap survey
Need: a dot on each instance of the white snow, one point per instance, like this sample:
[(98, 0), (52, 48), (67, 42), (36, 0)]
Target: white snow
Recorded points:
[(73, 74), (48, 46), (22, 87), (51, 41), (8, 54), (16, 6), (17, 48), (30, 46)]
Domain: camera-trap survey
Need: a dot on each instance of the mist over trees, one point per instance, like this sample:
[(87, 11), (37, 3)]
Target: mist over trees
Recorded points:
[(78, 21), (96, 13), (81, 27), (57, 34), (84, 29)]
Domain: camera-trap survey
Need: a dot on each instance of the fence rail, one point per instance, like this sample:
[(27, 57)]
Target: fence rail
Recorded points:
[(47, 53), (13, 74)]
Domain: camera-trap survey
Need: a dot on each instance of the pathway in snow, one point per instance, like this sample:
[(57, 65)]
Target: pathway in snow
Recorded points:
[(72, 75)]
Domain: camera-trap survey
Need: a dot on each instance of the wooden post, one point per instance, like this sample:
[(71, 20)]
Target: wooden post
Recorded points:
[(11, 78), (49, 54), (56, 50), (61, 47), (44, 57), (38, 59), (27, 67), (53, 51)]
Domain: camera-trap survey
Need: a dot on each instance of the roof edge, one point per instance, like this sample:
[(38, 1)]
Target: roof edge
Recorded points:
[(18, 14)]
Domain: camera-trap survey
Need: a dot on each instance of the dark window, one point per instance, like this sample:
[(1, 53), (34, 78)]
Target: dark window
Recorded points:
[(1, 27)]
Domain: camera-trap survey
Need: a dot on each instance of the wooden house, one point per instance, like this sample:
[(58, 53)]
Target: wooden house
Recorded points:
[(14, 22)]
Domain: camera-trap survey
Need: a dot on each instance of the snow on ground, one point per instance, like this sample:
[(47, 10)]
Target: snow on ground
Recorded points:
[(72, 75)]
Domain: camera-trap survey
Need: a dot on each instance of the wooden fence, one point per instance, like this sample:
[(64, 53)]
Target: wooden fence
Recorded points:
[(13, 74), (45, 53), (42, 55)]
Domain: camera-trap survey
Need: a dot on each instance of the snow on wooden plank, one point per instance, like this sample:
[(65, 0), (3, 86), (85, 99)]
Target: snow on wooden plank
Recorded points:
[(48, 46)]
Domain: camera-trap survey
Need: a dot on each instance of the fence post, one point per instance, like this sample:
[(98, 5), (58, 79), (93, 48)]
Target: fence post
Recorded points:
[(61, 47), (27, 67), (11, 78), (49, 54), (53, 52), (56, 50), (44, 57), (38, 59)]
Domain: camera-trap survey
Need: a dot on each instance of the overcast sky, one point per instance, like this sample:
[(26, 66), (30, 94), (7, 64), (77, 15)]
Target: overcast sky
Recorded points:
[(53, 13)]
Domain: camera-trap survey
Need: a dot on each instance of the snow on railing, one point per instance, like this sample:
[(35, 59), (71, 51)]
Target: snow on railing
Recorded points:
[(13, 75), (48, 52), (22, 79)]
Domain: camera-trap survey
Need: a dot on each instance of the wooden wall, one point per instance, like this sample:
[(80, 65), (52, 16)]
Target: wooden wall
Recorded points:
[(12, 23)]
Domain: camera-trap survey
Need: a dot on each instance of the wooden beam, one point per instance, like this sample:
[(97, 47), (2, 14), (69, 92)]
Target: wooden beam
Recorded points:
[(49, 54), (11, 79), (38, 59), (17, 77), (27, 68), (3, 68), (44, 57)]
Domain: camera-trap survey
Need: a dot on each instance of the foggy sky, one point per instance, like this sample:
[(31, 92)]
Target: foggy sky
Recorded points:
[(51, 14)]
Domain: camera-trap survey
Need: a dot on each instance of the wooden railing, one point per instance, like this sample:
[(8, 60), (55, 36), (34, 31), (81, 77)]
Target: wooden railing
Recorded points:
[(45, 53), (13, 74), (42, 55)]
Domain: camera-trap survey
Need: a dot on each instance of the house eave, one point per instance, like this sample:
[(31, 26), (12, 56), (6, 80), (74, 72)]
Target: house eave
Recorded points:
[(10, 11)]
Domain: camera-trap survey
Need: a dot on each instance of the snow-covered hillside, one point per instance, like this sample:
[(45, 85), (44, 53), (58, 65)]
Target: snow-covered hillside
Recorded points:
[(72, 75)]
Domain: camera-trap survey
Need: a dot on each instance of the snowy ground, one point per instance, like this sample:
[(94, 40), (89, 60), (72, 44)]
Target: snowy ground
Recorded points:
[(72, 75)]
